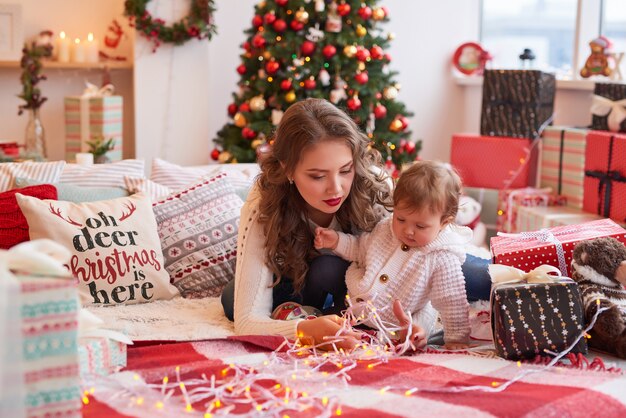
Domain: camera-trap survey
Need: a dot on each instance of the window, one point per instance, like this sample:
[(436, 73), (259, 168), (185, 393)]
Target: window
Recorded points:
[(614, 23)]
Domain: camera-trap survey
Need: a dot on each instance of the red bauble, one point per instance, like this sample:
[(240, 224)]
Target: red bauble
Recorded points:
[(376, 52), (354, 103), (409, 147), (244, 107), (272, 66), (365, 12), (405, 122), (269, 18), (307, 48), (362, 54), (215, 154), (310, 83), (343, 9), (257, 21), (282, 2), (295, 25), (388, 57), (379, 95), (248, 133), (258, 41), (286, 85), (232, 109), (241, 69), (246, 46), (361, 78), (329, 51), (280, 25), (380, 111)]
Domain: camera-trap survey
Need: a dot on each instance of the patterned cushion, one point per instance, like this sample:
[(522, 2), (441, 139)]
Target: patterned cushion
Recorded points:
[(102, 175), (139, 184), (48, 172), (77, 194), (116, 253), (198, 231), (13, 225)]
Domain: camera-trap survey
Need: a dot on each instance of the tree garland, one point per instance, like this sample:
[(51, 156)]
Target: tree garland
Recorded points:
[(198, 24)]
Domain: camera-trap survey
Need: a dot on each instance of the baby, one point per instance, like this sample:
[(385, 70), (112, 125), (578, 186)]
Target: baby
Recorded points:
[(414, 257)]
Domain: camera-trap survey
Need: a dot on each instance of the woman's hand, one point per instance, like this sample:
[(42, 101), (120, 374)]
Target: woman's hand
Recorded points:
[(325, 238), (322, 330), (417, 335)]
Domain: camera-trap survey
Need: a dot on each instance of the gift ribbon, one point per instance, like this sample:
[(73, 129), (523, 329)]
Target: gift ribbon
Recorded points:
[(606, 179), (616, 111), (542, 193), (543, 235), (91, 91), (501, 274), (560, 178)]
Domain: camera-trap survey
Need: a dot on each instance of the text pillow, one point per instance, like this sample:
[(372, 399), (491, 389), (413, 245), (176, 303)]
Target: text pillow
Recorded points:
[(198, 230), (116, 253)]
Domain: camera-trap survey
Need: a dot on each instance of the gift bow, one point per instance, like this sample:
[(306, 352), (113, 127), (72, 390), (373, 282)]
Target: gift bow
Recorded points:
[(543, 235), (501, 274), (91, 90), (616, 111)]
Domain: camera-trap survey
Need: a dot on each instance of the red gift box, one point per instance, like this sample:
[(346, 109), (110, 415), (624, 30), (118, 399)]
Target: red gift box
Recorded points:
[(10, 148), (605, 175), (494, 162), (552, 246)]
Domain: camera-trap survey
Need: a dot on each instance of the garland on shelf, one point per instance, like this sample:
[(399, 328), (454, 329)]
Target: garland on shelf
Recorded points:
[(198, 24)]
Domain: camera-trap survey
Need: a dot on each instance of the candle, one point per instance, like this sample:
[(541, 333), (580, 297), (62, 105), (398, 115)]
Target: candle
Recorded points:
[(84, 158), (91, 49), (78, 51), (63, 48)]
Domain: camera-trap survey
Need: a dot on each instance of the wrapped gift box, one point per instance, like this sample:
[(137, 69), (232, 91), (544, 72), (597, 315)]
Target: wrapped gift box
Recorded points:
[(528, 319), (494, 162), (605, 175), (516, 103), (539, 217), (562, 165), (607, 107), (553, 246), (510, 200), (101, 356), (89, 118)]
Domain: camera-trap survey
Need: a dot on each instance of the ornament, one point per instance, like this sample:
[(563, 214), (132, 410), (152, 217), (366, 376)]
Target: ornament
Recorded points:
[(360, 66), (290, 96), (361, 78), (365, 12), (343, 9), (302, 16), (258, 41), (246, 46), (320, 5), (310, 83), (267, 55), (255, 143), (409, 147), (257, 103), (315, 34), (248, 133), (296, 26), (354, 103), (279, 25), (277, 116), (371, 124), (391, 36), (261, 73), (350, 51), (269, 18), (272, 67), (224, 157), (215, 154), (286, 84), (257, 21), (239, 120), (324, 77), (333, 20), (307, 48), (232, 109), (329, 51), (390, 93), (360, 31), (241, 69), (376, 52), (244, 107), (282, 2), (597, 62), (362, 54), (378, 13), (263, 150), (380, 111), (395, 126)]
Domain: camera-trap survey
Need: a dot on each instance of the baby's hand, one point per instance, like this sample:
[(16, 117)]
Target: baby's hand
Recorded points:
[(456, 346), (325, 238)]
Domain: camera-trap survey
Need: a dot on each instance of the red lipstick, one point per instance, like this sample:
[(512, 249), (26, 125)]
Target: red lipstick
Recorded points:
[(333, 202)]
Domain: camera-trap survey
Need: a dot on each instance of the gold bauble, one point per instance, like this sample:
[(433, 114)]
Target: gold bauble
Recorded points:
[(361, 66), (267, 55), (262, 4), (349, 51), (391, 36), (257, 103), (290, 96), (395, 125), (256, 143), (398, 86), (224, 157), (302, 16), (240, 120), (378, 14), (361, 31), (390, 93)]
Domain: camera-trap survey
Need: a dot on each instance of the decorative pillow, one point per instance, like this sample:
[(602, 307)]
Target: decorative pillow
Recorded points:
[(102, 175), (139, 184), (13, 225), (198, 230), (77, 194), (48, 172), (116, 254)]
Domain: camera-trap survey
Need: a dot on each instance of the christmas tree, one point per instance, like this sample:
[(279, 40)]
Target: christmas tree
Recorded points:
[(334, 50)]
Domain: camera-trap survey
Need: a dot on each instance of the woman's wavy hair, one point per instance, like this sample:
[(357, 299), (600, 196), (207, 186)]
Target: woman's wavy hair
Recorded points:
[(283, 211)]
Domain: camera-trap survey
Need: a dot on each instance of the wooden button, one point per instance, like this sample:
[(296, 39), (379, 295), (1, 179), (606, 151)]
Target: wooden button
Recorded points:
[(405, 247), (384, 278)]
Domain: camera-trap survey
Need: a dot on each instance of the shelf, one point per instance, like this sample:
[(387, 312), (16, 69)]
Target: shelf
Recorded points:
[(587, 84), (113, 65)]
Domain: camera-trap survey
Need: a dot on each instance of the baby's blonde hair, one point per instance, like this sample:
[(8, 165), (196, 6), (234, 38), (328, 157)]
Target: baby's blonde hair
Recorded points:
[(429, 184)]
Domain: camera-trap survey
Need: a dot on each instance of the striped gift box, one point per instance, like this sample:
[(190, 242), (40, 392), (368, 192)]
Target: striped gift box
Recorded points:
[(538, 217), (101, 356), (103, 118), (563, 162)]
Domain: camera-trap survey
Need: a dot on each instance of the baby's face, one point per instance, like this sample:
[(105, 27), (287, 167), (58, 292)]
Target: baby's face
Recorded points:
[(416, 228)]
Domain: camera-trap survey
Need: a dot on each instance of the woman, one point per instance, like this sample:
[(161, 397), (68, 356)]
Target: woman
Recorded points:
[(320, 172)]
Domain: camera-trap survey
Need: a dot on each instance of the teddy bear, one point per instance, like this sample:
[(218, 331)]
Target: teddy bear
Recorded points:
[(599, 268), (469, 215), (598, 61)]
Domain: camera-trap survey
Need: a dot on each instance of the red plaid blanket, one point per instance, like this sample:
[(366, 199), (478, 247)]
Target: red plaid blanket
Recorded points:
[(372, 391)]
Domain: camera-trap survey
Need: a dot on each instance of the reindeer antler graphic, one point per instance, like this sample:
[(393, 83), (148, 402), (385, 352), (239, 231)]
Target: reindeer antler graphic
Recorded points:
[(131, 209), (58, 213)]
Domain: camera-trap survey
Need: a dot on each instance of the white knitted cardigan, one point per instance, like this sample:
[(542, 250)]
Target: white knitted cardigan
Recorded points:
[(382, 271)]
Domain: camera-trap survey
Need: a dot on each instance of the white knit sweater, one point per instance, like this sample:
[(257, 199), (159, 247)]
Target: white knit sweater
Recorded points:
[(416, 277)]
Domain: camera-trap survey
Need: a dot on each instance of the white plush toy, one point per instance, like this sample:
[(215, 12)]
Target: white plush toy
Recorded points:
[(469, 215)]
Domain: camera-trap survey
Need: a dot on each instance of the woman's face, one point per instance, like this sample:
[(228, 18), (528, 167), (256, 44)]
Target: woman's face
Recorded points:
[(324, 177)]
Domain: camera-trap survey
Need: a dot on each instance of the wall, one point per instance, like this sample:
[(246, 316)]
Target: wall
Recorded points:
[(77, 18)]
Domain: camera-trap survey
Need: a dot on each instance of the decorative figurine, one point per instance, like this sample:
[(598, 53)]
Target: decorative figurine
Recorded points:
[(598, 61)]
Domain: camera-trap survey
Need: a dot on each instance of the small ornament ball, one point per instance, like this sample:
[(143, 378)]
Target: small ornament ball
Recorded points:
[(239, 120), (257, 103)]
